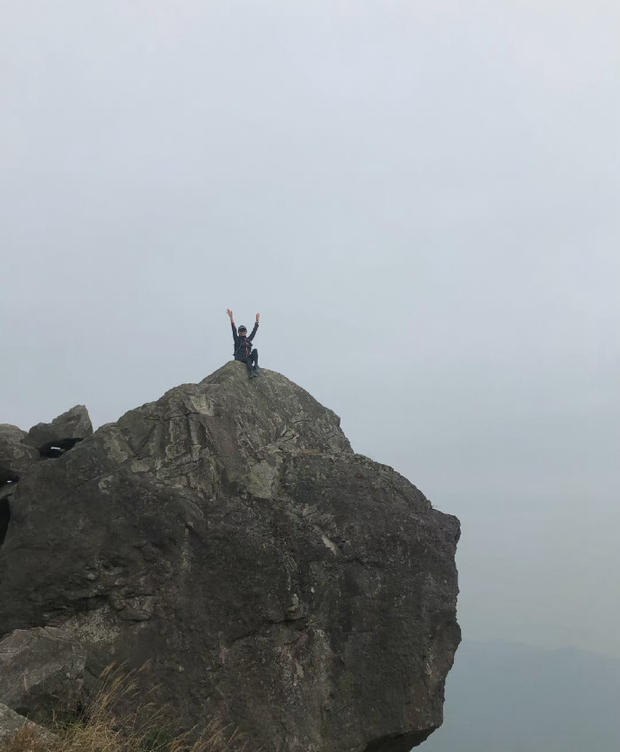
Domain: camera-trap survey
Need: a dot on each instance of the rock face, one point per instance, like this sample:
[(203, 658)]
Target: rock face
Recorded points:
[(16, 453), (40, 668), (11, 722), (228, 534), (20, 450)]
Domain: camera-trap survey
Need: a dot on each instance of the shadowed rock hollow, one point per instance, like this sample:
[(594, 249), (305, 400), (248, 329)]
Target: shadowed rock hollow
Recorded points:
[(228, 533)]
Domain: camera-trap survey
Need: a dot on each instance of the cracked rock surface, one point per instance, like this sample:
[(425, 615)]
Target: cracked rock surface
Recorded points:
[(274, 579)]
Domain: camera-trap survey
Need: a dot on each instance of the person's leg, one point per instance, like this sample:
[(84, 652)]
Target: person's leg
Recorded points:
[(254, 359)]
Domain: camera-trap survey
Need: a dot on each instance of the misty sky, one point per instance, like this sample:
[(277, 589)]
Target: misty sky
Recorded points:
[(420, 198)]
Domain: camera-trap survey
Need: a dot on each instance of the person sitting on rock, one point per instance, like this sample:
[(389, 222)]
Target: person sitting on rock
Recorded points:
[(243, 345)]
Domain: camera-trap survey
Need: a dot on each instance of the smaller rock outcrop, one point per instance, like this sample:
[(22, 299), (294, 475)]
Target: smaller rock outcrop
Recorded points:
[(63, 432), (17, 453), (11, 722), (41, 670)]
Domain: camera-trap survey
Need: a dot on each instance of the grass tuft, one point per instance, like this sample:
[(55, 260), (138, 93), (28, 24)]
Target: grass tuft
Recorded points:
[(122, 718), (27, 739)]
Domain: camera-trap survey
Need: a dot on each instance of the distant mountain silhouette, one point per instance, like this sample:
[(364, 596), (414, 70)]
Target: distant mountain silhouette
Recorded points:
[(503, 697)]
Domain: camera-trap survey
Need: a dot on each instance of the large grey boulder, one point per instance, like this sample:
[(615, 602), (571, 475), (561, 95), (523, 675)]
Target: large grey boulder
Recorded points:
[(275, 580), (73, 424)]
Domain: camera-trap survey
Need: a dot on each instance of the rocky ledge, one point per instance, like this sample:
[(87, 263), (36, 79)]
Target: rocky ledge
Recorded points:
[(228, 535)]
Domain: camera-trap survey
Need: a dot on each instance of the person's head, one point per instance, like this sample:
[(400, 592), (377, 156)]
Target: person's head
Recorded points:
[(242, 331)]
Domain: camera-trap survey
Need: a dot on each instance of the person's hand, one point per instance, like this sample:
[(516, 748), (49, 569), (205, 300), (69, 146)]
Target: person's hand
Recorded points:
[(257, 317), (230, 314)]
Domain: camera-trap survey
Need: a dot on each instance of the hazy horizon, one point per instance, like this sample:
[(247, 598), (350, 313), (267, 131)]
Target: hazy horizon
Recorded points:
[(568, 696), (421, 201)]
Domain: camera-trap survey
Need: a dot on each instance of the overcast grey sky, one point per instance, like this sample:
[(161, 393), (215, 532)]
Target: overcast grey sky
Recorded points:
[(421, 199)]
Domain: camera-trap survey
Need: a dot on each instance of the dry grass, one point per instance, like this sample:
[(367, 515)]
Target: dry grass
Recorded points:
[(121, 719), (27, 739)]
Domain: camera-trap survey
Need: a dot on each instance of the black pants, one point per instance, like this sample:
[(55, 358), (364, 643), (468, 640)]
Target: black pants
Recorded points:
[(251, 361)]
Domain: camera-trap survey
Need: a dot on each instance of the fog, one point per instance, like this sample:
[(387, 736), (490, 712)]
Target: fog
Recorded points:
[(421, 200)]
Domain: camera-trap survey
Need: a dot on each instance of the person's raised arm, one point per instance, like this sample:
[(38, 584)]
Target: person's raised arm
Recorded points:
[(251, 337), (232, 323)]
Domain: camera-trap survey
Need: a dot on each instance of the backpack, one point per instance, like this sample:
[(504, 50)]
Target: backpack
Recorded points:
[(243, 349)]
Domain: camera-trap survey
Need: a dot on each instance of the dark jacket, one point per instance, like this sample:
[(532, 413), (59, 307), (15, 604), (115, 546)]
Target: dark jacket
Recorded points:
[(243, 345)]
